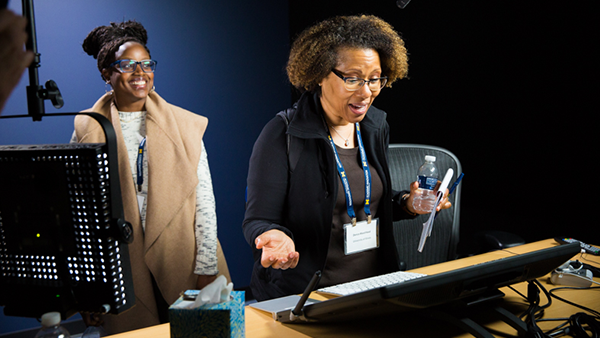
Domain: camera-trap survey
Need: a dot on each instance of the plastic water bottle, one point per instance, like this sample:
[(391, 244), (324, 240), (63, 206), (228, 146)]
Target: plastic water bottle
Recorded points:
[(427, 176), (51, 327)]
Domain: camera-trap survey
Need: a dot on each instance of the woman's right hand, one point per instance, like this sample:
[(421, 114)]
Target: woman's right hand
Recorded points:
[(278, 250)]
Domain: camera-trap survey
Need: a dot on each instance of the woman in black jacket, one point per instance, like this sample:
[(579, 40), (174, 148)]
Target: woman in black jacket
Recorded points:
[(319, 192)]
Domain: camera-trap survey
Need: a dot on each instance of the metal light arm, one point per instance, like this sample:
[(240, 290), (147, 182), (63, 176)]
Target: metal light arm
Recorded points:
[(36, 94)]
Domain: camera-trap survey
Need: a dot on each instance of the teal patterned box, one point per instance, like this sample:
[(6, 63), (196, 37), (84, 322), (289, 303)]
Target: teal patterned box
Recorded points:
[(210, 320)]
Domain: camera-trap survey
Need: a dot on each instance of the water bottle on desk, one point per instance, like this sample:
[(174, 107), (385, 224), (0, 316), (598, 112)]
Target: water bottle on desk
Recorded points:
[(427, 176), (51, 327)]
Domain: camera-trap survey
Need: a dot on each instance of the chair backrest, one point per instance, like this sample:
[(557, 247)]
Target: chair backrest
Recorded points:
[(404, 161)]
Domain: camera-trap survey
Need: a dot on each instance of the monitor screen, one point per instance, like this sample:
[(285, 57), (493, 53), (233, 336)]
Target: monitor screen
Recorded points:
[(461, 286), (60, 244)]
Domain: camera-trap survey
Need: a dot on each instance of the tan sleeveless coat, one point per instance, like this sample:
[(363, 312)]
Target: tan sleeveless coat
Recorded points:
[(167, 249)]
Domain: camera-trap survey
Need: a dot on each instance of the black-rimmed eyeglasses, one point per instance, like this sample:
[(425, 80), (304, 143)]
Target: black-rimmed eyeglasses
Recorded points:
[(129, 66), (354, 83)]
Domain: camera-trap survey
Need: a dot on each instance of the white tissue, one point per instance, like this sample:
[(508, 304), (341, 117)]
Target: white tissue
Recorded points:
[(216, 292)]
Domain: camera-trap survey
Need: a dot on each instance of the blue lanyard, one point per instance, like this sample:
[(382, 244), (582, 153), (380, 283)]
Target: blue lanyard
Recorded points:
[(346, 183), (140, 164)]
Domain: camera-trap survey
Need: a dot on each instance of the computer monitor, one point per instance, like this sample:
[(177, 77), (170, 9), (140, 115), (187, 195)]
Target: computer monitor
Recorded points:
[(457, 287), (63, 239)]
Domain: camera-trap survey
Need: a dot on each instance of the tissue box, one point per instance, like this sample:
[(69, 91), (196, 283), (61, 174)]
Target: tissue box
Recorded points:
[(210, 320)]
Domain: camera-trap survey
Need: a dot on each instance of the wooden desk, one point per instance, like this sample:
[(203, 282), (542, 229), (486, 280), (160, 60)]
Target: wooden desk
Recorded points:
[(261, 325)]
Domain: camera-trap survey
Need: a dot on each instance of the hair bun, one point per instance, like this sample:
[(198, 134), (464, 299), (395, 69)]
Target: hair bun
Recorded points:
[(102, 35), (94, 41), (130, 29)]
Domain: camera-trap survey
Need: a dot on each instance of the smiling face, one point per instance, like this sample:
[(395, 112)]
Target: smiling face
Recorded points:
[(342, 106), (130, 89)]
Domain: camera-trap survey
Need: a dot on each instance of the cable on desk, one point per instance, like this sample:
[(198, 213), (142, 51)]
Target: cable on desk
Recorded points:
[(552, 293), (592, 264), (517, 292), (579, 324), (535, 310), (559, 331)]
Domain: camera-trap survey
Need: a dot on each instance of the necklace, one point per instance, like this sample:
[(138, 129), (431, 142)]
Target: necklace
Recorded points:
[(347, 139)]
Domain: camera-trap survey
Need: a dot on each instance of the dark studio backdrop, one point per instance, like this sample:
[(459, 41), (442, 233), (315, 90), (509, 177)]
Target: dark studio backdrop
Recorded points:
[(506, 87)]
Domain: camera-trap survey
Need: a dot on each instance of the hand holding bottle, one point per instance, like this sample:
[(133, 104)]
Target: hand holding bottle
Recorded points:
[(414, 191)]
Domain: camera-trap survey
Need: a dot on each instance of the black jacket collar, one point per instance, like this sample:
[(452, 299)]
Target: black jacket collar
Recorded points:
[(308, 122)]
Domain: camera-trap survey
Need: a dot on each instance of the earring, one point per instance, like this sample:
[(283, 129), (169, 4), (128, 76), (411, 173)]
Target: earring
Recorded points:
[(106, 84), (152, 89)]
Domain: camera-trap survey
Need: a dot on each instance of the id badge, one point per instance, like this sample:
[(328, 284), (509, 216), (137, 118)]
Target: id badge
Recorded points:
[(361, 237)]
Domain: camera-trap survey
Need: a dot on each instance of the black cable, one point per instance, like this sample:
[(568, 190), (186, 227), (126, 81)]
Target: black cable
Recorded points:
[(533, 296), (548, 297), (517, 292), (581, 323), (592, 266), (596, 313), (554, 332)]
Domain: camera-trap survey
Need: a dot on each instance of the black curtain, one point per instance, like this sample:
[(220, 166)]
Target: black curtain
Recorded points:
[(507, 87)]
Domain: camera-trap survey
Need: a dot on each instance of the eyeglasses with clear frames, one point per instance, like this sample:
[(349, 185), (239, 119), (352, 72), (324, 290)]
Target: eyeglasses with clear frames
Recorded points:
[(129, 66), (354, 83)]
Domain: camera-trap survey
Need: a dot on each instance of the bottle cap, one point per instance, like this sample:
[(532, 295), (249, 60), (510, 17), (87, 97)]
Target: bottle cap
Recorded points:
[(50, 319), (430, 158)]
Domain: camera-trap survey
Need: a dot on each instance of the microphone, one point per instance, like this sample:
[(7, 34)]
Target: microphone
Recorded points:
[(297, 311)]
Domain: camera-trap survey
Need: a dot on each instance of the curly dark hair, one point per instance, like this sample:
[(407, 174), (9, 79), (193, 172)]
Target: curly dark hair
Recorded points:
[(103, 42), (315, 52)]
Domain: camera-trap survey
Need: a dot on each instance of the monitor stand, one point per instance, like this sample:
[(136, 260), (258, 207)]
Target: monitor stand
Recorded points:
[(460, 316)]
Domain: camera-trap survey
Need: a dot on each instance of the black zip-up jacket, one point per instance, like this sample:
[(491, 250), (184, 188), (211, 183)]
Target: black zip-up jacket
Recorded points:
[(301, 203)]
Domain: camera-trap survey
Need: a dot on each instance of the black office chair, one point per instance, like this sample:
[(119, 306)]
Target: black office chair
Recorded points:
[(441, 246)]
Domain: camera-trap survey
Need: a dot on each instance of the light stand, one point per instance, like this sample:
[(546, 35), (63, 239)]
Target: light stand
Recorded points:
[(36, 94)]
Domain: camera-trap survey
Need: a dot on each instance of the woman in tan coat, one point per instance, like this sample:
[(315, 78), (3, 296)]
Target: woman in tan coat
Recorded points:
[(175, 230)]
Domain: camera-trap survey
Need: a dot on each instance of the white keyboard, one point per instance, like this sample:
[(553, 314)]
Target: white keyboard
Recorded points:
[(370, 283)]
